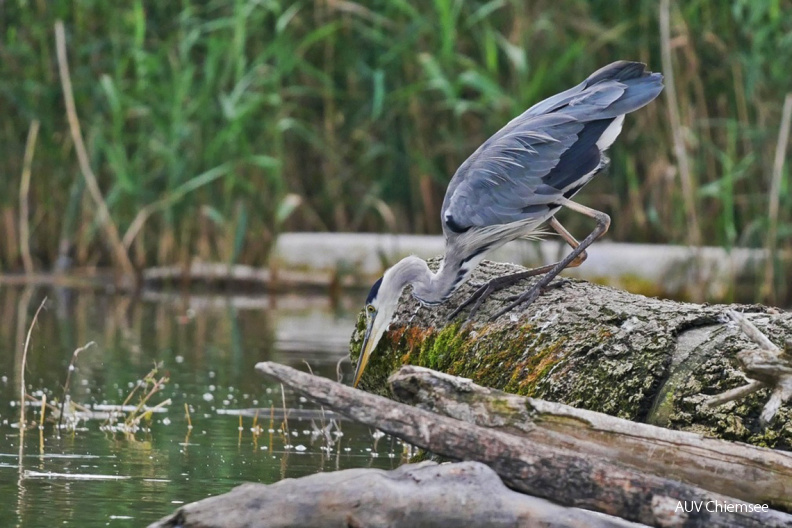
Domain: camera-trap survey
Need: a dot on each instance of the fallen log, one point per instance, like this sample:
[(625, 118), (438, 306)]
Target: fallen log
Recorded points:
[(593, 347), (544, 471), (411, 496), (746, 472)]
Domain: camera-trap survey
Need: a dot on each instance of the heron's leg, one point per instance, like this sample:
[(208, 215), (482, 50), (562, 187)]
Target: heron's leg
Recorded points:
[(488, 288), (571, 240), (573, 243), (493, 285), (603, 223)]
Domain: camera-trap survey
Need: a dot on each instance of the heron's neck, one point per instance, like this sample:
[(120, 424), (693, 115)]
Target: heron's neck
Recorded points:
[(436, 288)]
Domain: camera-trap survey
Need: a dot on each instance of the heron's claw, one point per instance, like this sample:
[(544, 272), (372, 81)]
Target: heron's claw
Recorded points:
[(477, 298), (557, 284), (529, 296), (524, 299), (483, 291)]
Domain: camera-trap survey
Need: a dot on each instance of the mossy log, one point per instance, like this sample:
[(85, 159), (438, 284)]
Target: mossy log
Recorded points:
[(545, 471), (411, 496), (593, 347), (753, 474)]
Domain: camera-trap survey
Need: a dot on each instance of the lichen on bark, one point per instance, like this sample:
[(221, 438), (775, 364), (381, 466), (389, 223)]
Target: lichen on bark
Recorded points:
[(594, 347)]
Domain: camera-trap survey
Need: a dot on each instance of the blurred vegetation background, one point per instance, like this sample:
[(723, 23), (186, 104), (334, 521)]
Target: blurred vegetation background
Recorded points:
[(212, 126)]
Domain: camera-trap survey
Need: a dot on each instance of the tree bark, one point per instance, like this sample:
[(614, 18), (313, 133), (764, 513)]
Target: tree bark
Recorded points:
[(411, 496), (743, 471), (544, 471), (593, 347)]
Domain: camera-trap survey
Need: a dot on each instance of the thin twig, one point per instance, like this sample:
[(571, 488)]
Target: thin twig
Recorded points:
[(41, 423), (54, 408), (24, 191), (22, 372), (255, 429), (68, 380), (782, 392), (751, 331), (768, 292), (156, 387), (43, 410), (189, 425), (271, 425), (103, 213), (187, 414), (157, 407), (680, 151), (285, 414), (737, 393)]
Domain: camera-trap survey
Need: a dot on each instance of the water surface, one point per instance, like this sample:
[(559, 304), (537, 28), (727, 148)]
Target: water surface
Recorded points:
[(207, 346)]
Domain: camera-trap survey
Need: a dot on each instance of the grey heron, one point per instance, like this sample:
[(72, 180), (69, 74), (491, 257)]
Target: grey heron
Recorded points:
[(511, 185)]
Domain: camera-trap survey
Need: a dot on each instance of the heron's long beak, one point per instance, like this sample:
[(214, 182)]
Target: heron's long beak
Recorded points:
[(376, 327)]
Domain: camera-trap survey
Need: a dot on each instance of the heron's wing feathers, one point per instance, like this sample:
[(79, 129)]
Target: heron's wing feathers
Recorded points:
[(510, 176), (549, 151)]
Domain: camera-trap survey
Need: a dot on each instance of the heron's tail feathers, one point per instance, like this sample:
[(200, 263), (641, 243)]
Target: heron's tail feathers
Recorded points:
[(616, 89), (619, 71)]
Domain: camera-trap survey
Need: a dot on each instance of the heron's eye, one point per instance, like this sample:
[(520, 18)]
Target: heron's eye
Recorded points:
[(370, 308)]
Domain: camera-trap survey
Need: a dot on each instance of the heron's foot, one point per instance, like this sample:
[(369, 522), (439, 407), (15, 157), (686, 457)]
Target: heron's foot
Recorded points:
[(486, 289), (552, 286), (529, 296), (476, 299), (524, 299)]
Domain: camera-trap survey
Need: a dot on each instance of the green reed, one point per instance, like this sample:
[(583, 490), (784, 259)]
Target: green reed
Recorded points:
[(228, 121)]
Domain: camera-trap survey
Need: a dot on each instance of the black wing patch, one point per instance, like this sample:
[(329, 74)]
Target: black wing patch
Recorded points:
[(582, 157), (455, 226), (374, 291)]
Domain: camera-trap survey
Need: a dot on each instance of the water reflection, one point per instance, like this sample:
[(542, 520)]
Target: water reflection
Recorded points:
[(244, 428)]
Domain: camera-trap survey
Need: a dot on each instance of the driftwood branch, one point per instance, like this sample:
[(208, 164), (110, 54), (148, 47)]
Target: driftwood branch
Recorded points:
[(767, 366), (414, 495), (544, 471), (742, 471)]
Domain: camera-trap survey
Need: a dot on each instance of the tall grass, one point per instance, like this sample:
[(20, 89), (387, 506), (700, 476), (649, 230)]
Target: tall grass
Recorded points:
[(213, 125)]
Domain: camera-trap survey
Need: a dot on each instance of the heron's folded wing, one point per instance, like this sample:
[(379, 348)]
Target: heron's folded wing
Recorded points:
[(521, 171)]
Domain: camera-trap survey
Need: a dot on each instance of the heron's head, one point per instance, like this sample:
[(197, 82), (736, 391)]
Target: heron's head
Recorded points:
[(380, 307), (382, 302)]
